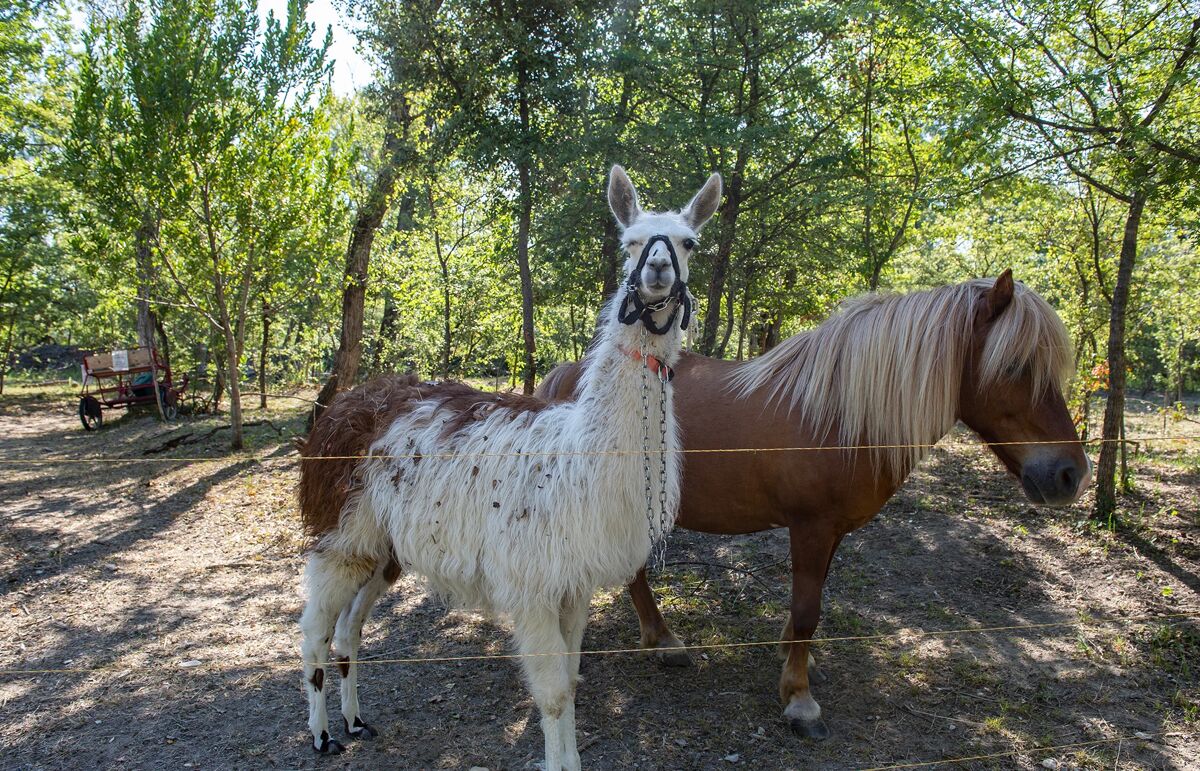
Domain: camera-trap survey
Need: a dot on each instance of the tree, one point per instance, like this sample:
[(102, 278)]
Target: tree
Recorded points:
[(1106, 89), (34, 70)]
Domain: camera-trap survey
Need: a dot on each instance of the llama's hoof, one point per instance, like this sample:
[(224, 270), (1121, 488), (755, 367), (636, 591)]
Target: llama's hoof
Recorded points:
[(359, 730), (810, 729), (328, 746), (816, 676)]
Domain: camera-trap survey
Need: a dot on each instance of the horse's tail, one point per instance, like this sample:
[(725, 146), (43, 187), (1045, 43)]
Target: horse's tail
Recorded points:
[(331, 455), (559, 384)]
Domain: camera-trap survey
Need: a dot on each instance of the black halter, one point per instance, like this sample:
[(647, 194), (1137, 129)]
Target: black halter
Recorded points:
[(634, 308)]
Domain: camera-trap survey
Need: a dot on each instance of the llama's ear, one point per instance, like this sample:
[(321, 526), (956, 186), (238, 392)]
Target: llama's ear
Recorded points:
[(622, 198), (996, 299), (704, 204)]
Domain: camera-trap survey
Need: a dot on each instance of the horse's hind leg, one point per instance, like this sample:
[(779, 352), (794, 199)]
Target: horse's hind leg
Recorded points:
[(810, 561), (347, 637), (333, 579), (655, 633)]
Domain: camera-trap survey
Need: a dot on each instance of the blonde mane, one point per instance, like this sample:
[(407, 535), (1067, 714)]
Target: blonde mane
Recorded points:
[(886, 368)]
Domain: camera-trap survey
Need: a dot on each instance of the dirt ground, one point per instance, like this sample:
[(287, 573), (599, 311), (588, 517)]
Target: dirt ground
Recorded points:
[(174, 589)]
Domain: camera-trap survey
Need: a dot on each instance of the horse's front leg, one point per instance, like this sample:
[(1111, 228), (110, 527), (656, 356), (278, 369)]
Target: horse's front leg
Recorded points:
[(655, 633), (811, 553)]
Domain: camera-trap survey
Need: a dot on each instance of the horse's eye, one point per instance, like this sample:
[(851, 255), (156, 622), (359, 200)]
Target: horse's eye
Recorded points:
[(689, 244)]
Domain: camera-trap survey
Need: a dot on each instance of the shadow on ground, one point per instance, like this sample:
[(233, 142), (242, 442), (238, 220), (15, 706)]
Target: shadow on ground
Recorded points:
[(153, 569)]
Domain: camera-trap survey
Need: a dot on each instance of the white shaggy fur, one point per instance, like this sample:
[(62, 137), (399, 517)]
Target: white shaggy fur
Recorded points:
[(530, 514)]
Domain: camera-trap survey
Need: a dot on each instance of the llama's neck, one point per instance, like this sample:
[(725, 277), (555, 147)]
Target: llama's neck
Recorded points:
[(615, 366)]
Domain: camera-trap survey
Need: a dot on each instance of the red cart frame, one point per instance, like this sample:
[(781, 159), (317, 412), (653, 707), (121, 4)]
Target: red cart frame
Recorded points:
[(108, 383)]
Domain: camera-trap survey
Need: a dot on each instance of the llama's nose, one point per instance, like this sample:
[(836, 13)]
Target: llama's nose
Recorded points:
[(659, 263)]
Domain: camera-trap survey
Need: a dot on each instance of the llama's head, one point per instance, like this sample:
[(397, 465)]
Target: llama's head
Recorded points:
[(658, 245)]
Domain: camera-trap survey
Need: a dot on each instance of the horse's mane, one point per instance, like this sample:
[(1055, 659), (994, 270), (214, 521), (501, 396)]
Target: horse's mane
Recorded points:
[(886, 368)]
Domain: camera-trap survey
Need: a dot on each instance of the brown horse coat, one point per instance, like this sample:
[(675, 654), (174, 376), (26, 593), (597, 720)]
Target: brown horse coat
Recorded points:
[(999, 374)]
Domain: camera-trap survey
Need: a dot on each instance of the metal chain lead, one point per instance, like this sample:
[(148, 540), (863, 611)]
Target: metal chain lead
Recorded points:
[(664, 522), (646, 457)]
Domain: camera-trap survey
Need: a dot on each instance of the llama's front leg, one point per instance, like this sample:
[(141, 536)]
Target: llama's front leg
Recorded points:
[(347, 639), (572, 623), (655, 632), (539, 638), (332, 583)]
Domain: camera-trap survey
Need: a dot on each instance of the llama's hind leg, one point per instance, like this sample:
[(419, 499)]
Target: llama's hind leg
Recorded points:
[(572, 623), (333, 580), (545, 663), (347, 637)]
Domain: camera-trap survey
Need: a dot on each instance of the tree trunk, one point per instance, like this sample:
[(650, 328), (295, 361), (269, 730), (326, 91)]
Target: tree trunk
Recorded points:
[(387, 325), (444, 265), (610, 258), (1114, 411), (262, 354), (720, 269), (525, 214), (164, 345), (358, 256), (729, 295), (143, 252), (218, 384), (8, 339)]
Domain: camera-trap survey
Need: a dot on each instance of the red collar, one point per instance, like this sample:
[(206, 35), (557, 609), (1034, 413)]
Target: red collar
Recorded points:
[(656, 365)]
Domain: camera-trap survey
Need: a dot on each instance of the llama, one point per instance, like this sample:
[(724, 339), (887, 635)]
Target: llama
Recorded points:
[(504, 503)]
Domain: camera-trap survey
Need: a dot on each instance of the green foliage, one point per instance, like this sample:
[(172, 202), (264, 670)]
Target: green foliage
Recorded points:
[(864, 144)]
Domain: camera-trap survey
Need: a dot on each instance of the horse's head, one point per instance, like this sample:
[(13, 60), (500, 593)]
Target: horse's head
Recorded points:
[(1011, 391), (658, 245)]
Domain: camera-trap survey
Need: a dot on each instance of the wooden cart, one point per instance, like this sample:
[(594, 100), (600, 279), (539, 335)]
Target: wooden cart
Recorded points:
[(118, 379)]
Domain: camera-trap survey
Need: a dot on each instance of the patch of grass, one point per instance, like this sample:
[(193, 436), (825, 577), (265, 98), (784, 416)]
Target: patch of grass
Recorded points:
[(1171, 648), (1186, 708), (973, 674)]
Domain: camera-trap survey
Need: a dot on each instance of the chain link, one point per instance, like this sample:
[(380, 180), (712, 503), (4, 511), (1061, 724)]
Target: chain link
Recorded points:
[(646, 455), (659, 555)]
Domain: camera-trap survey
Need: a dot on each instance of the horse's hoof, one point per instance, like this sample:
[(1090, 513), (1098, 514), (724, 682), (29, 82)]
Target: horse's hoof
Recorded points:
[(810, 729), (360, 730), (328, 746), (816, 676), (672, 653), (676, 658)]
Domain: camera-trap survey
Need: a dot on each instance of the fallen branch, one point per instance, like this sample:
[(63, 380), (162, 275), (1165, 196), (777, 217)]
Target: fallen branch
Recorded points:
[(193, 438)]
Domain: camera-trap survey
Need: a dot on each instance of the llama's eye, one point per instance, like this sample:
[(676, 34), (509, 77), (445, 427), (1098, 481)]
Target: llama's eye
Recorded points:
[(689, 244)]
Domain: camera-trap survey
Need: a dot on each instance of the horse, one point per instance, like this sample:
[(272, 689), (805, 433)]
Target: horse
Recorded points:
[(878, 383), (490, 496)]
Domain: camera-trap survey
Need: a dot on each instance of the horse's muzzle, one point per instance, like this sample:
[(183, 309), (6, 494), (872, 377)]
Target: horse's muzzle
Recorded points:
[(1055, 480)]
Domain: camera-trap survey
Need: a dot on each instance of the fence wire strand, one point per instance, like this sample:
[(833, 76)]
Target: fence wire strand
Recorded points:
[(1032, 750), (906, 635), (590, 453)]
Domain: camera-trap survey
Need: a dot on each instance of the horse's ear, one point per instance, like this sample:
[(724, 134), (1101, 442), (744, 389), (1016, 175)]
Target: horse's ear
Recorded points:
[(704, 204), (622, 198), (996, 299)]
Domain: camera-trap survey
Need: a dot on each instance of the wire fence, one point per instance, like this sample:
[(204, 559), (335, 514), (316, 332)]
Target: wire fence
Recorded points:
[(906, 635), (591, 453), (160, 664)]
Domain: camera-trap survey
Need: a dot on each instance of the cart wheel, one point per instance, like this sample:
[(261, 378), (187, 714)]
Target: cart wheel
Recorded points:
[(170, 402), (90, 413)]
